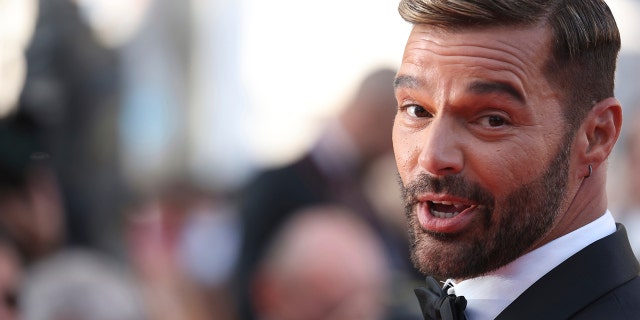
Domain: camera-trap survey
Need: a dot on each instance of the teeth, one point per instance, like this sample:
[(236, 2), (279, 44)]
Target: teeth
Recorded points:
[(439, 214), (446, 203), (459, 207)]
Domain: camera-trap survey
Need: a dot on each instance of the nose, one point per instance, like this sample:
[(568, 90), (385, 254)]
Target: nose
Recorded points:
[(441, 152)]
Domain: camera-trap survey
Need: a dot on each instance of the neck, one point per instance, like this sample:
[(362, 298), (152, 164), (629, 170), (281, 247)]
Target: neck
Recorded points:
[(583, 205)]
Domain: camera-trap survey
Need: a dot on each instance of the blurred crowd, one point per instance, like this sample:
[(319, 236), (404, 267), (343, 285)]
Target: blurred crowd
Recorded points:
[(319, 237)]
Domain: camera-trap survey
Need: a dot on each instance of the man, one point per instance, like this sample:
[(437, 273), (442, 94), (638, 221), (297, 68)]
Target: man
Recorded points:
[(31, 206), (505, 122)]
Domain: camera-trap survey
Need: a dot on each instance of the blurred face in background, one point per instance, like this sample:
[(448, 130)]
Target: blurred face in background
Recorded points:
[(325, 266)]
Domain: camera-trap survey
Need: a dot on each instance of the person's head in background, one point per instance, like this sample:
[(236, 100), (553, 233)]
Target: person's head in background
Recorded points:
[(373, 106), (11, 275), (326, 263), (30, 199), (81, 284)]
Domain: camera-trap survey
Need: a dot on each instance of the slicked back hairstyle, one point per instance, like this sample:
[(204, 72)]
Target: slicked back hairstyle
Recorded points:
[(585, 43)]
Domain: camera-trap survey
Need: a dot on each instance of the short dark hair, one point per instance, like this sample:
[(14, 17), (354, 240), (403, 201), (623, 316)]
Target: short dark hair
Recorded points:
[(20, 146), (585, 43)]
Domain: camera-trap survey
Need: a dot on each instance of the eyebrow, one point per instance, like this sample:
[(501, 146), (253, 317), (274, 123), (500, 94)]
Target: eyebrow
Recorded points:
[(407, 81), (477, 87), (484, 87)]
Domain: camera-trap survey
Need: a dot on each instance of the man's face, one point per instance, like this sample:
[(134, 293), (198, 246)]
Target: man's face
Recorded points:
[(481, 147)]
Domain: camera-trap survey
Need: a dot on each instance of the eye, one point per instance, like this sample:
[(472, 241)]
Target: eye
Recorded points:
[(418, 112), (493, 121)]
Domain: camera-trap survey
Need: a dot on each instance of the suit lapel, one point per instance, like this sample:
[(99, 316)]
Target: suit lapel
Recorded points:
[(578, 281)]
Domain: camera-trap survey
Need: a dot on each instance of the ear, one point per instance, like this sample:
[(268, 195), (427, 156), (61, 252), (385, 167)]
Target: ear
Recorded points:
[(599, 132)]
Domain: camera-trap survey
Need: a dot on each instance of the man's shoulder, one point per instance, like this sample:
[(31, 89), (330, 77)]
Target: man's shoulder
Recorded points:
[(602, 276), (622, 302)]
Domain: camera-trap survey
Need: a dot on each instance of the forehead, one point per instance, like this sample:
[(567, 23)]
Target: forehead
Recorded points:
[(514, 55)]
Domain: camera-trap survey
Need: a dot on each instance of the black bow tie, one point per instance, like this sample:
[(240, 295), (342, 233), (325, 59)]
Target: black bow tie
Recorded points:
[(437, 304)]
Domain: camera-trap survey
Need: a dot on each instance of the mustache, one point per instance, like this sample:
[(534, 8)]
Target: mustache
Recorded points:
[(453, 185)]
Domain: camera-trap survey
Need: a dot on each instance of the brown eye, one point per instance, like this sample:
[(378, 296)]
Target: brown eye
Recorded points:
[(496, 121), (418, 112)]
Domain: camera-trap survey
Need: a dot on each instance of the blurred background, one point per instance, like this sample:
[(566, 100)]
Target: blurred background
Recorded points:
[(134, 131)]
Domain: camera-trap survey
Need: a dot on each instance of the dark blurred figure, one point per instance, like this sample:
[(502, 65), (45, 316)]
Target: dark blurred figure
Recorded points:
[(72, 90), (31, 208), (325, 263), (332, 172)]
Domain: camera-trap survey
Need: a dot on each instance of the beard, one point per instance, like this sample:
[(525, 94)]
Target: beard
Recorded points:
[(508, 227)]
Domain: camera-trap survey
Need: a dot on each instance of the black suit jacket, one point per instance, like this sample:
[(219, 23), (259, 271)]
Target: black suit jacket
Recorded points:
[(599, 282)]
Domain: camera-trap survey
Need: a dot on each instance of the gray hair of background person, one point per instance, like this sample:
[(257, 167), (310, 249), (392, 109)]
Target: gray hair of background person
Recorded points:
[(81, 285)]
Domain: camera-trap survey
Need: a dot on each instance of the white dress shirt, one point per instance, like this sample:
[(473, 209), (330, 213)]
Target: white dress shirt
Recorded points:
[(489, 295)]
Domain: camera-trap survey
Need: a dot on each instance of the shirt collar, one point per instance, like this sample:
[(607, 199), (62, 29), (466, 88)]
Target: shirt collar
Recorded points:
[(489, 295)]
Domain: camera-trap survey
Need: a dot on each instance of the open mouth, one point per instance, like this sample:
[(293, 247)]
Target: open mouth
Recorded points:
[(448, 209)]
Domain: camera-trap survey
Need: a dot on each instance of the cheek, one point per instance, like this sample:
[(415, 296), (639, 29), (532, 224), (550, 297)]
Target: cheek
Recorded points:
[(509, 167), (499, 169), (405, 154)]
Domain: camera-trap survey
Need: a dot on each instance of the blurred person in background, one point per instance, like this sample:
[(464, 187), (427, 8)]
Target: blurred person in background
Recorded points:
[(334, 170), (72, 90), (30, 201), (31, 206), (183, 243), (325, 263), (80, 284), (628, 211), (11, 277), (60, 282)]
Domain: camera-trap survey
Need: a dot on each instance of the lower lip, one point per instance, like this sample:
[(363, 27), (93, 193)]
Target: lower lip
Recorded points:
[(444, 225)]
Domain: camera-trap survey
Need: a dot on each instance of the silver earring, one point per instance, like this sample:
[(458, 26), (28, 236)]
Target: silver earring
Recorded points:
[(590, 170)]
